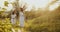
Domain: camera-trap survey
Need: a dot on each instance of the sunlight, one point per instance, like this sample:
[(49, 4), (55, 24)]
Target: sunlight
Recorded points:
[(54, 6), (1, 3), (40, 4), (36, 3), (9, 7)]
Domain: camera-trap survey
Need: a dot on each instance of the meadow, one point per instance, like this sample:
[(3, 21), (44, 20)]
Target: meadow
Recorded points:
[(35, 21)]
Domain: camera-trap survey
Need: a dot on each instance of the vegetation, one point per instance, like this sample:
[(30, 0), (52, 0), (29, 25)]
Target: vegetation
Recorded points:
[(5, 25), (37, 20), (46, 23)]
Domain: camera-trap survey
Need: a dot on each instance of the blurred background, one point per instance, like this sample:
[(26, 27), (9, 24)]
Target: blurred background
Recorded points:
[(40, 15)]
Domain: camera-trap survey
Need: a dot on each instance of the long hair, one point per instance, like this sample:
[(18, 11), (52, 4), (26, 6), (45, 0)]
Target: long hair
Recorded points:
[(13, 13), (21, 9)]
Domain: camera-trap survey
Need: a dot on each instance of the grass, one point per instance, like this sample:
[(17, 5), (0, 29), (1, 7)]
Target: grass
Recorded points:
[(47, 23)]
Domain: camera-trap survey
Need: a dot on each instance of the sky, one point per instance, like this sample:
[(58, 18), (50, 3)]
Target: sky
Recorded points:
[(36, 3)]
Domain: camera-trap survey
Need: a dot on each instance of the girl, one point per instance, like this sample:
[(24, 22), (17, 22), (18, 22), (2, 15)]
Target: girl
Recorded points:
[(13, 17), (21, 17)]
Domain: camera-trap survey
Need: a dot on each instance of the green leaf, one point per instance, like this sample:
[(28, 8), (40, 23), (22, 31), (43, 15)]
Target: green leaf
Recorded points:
[(3, 9), (6, 3)]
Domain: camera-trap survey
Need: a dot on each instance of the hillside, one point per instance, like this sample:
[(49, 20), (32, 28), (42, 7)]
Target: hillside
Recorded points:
[(47, 23)]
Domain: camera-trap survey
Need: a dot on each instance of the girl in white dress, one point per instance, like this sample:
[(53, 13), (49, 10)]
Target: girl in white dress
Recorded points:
[(21, 18), (13, 18)]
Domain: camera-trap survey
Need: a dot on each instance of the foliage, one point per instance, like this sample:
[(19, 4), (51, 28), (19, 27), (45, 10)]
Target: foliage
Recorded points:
[(6, 3), (5, 25), (34, 14), (46, 23)]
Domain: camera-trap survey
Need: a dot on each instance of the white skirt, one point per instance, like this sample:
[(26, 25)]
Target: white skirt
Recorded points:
[(13, 21)]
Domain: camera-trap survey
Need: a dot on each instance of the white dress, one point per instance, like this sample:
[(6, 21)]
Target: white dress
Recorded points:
[(21, 19), (13, 18)]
